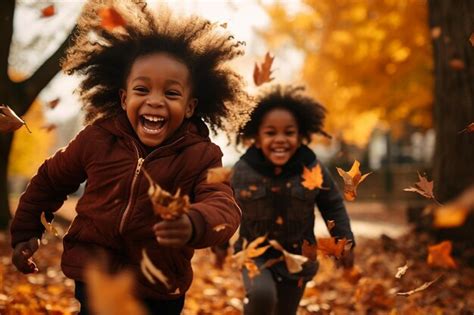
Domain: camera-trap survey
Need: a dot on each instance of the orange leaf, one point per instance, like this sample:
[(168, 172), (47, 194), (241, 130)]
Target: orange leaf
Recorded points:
[(330, 246), (252, 269), (48, 11), (262, 73), (9, 121), (110, 19), (439, 255), (167, 206), (309, 250), (294, 263), (422, 187), (279, 220), (450, 216), (312, 178), (469, 128), (352, 179), (219, 175)]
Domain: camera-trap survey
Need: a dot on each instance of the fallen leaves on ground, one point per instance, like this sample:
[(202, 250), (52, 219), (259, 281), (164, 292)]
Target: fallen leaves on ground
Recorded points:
[(262, 73), (312, 178), (352, 179)]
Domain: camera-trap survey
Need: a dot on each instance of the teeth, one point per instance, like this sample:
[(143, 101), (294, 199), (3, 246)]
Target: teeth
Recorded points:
[(153, 118), (279, 150)]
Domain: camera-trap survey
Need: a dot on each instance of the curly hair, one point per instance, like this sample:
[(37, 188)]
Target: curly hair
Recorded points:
[(309, 114), (104, 58)]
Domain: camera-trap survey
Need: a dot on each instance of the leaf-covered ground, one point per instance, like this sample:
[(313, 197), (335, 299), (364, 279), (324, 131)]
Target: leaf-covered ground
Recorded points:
[(369, 289)]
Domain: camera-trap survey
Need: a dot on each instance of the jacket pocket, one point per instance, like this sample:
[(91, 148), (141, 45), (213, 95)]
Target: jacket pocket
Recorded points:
[(302, 203), (254, 202)]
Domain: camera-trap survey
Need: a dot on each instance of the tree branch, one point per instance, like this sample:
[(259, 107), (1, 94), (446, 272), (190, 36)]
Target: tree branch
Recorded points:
[(34, 84), (7, 7)]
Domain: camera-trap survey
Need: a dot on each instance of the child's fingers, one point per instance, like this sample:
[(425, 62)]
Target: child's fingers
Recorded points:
[(171, 241)]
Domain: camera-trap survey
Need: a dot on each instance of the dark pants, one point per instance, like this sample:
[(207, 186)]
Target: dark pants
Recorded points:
[(162, 307), (270, 294)]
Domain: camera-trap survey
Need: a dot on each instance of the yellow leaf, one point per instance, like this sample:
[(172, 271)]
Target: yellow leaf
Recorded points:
[(294, 263), (449, 216), (313, 178), (49, 225), (352, 179)]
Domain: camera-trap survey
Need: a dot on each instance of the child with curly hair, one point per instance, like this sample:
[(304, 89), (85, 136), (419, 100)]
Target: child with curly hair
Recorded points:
[(147, 88), (267, 186)]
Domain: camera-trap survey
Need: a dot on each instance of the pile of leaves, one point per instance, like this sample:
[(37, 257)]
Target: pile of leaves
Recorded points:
[(370, 288)]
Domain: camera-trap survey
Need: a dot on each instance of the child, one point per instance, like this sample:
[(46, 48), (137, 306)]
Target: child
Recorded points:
[(267, 186), (147, 87)]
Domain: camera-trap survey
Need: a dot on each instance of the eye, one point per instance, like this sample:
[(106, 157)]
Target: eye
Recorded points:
[(269, 133), (173, 93), (290, 132), (140, 89)]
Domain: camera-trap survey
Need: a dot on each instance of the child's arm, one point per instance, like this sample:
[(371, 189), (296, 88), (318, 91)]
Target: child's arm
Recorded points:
[(57, 177), (213, 206), (331, 205)]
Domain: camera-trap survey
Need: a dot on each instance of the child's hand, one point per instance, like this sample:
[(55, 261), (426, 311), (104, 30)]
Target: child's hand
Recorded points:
[(174, 233), (22, 254)]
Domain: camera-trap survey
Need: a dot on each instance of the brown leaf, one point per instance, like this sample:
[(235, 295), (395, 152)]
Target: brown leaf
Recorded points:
[(423, 287), (48, 11), (110, 19), (468, 129), (223, 25), (352, 179), (313, 178), (294, 263), (9, 121), (219, 175), (167, 206), (331, 246), (151, 272), (262, 73), (439, 255), (110, 294), (457, 64), (49, 225), (53, 103), (422, 187)]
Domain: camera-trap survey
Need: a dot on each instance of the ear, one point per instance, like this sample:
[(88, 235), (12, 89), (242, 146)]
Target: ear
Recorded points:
[(257, 142), (123, 98), (190, 107)]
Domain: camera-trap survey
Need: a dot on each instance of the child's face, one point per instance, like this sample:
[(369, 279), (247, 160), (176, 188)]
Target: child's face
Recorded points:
[(278, 136), (157, 97)]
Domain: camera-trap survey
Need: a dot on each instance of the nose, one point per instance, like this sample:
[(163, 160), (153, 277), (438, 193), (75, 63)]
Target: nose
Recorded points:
[(156, 99)]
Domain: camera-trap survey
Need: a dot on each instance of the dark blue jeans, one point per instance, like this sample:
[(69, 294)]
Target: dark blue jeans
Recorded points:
[(161, 307)]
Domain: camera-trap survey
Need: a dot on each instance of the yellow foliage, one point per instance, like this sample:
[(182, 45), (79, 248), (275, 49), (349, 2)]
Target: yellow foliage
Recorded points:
[(29, 150), (367, 62)]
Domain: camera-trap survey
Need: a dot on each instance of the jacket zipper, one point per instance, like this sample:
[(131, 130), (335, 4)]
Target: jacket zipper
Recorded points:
[(129, 204)]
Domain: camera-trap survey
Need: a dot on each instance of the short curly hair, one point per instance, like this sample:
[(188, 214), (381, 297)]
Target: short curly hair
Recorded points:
[(104, 57), (309, 113)]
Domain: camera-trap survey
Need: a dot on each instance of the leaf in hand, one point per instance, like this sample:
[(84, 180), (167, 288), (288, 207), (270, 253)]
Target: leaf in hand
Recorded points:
[(313, 178), (294, 263), (167, 206), (48, 225), (110, 19), (439, 255), (422, 187), (352, 179), (219, 175), (151, 272), (331, 246), (9, 121), (262, 73)]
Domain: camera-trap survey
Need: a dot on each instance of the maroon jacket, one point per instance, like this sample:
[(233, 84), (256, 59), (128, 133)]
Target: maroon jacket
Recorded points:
[(115, 214)]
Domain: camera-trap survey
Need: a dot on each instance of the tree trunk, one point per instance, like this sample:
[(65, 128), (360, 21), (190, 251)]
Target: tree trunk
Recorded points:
[(454, 96), (18, 95)]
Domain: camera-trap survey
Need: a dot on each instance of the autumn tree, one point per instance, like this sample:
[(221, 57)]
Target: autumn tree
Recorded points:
[(18, 95), (367, 61), (452, 23)]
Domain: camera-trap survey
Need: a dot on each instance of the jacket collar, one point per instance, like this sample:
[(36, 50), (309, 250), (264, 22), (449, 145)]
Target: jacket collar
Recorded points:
[(304, 156), (192, 131)]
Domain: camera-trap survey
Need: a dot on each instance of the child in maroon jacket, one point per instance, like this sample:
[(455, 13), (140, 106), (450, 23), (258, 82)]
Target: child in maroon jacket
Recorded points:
[(148, 86)]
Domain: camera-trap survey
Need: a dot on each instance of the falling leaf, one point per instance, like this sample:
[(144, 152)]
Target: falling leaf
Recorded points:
[(457, 64), (49, 225), (422, 187), (262, 73), (312, 178), (331, 246), (167, 206), (294, 263), (352, 179), (110, 294), (401, 271), (330, 224), (53, 103), (423, 287), (439, 255), (221, 227), (449, 216), (279, 220), (272, 262), (252, 269), (219, 175), (223, 25), (436, 32), (48, 11), (309, 250), (110, 19), (468, 129), (471, 39), (151, 272), (9, 121), (251, 250)]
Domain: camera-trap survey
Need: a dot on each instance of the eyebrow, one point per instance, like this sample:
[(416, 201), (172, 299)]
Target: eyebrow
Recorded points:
[(167, 81)]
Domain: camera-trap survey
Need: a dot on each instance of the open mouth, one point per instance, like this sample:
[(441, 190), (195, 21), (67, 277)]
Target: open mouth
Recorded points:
[(279, 151), (152, 124)]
